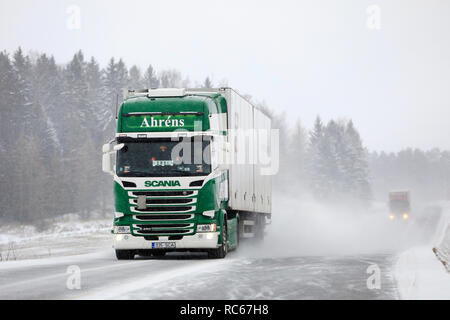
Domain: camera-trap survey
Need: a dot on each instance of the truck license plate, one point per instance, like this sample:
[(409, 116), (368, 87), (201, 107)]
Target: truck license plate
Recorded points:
[(163, 245)]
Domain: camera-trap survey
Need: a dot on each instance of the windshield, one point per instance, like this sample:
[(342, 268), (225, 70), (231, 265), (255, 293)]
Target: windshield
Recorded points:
[(164, 158)]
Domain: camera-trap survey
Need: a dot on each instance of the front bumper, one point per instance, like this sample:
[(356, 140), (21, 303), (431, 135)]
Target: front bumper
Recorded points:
[(207, 240)]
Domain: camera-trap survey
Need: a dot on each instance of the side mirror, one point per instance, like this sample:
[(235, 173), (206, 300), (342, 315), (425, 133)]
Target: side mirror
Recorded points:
[(106, 148), (106, 163), (118, 147)]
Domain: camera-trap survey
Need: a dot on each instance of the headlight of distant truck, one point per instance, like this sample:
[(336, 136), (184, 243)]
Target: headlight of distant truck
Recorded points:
[(121, 229), (206, 227)]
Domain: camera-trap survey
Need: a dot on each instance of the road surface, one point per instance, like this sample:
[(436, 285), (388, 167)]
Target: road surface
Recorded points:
[(295, 262), (183, 276)]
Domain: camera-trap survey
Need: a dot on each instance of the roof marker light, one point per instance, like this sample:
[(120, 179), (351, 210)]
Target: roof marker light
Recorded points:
[(169, 92)]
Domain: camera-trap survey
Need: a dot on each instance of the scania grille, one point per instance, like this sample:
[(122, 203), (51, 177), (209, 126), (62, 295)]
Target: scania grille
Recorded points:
[(160, 194), (163, 205), (167, 201), (163, 232), (162, 217), (164, 229), (165, 209), (146, 227)]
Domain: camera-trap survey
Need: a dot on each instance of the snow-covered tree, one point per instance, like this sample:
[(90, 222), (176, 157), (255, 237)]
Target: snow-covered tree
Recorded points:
[(135, 80), (338, 164), (297, 158), (207, 83), (170, 78), (151, 80)]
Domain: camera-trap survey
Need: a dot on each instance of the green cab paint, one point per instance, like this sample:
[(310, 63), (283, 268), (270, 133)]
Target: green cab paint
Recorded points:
[(190, 113)]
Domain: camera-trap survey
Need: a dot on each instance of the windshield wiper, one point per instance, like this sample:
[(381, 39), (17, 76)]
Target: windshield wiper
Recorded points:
[(185, 173), (137, 173), (169, 173)]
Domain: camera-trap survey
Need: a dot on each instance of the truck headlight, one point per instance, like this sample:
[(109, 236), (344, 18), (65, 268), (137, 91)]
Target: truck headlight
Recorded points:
[(118, 214), (209, 213), (206, 227), (405, 216), (122, 229)]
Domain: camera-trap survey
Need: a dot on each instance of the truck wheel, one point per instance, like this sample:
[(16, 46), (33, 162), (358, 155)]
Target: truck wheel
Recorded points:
[(125, 254), (222, 251), (238, 236), (260, 226)]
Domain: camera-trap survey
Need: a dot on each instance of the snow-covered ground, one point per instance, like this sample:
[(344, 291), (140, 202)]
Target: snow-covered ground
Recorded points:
[(420, 275), (304, 256), (68, 235)]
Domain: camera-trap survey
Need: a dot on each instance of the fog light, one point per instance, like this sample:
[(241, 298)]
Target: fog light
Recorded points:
[(391, 217), (206, 227), (122, 229), (405, 216)]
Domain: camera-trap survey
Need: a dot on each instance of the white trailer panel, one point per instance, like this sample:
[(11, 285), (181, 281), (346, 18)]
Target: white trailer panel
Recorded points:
[(261, 149), (249, 190), (240, 135)]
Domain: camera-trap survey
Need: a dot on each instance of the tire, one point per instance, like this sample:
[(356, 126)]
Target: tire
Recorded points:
[(260, 226), (221, 251), (238, 237), (125, 254)]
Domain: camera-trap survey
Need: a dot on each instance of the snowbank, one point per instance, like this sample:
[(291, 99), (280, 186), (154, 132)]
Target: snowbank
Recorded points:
[(66, 236), (421, 276), (421, 272), (442, 247)]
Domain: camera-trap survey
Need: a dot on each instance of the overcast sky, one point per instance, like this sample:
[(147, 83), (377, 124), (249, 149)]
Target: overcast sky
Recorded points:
[(334, 58)]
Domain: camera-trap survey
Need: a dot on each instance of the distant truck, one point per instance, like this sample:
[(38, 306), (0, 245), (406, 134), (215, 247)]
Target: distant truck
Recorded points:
[(172, 190), (399, 205)]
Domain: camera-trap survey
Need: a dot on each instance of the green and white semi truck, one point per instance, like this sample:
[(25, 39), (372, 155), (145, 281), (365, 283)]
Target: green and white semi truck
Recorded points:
[(189, 172)]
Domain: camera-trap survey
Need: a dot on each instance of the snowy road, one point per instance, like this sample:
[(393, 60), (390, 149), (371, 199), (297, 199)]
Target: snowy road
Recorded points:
[(182, 276), (303, 257)]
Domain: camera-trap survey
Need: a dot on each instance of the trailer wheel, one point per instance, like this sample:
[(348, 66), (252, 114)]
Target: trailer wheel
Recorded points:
[(125, 254), (222, 251), (260, 226), (238, 235)]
